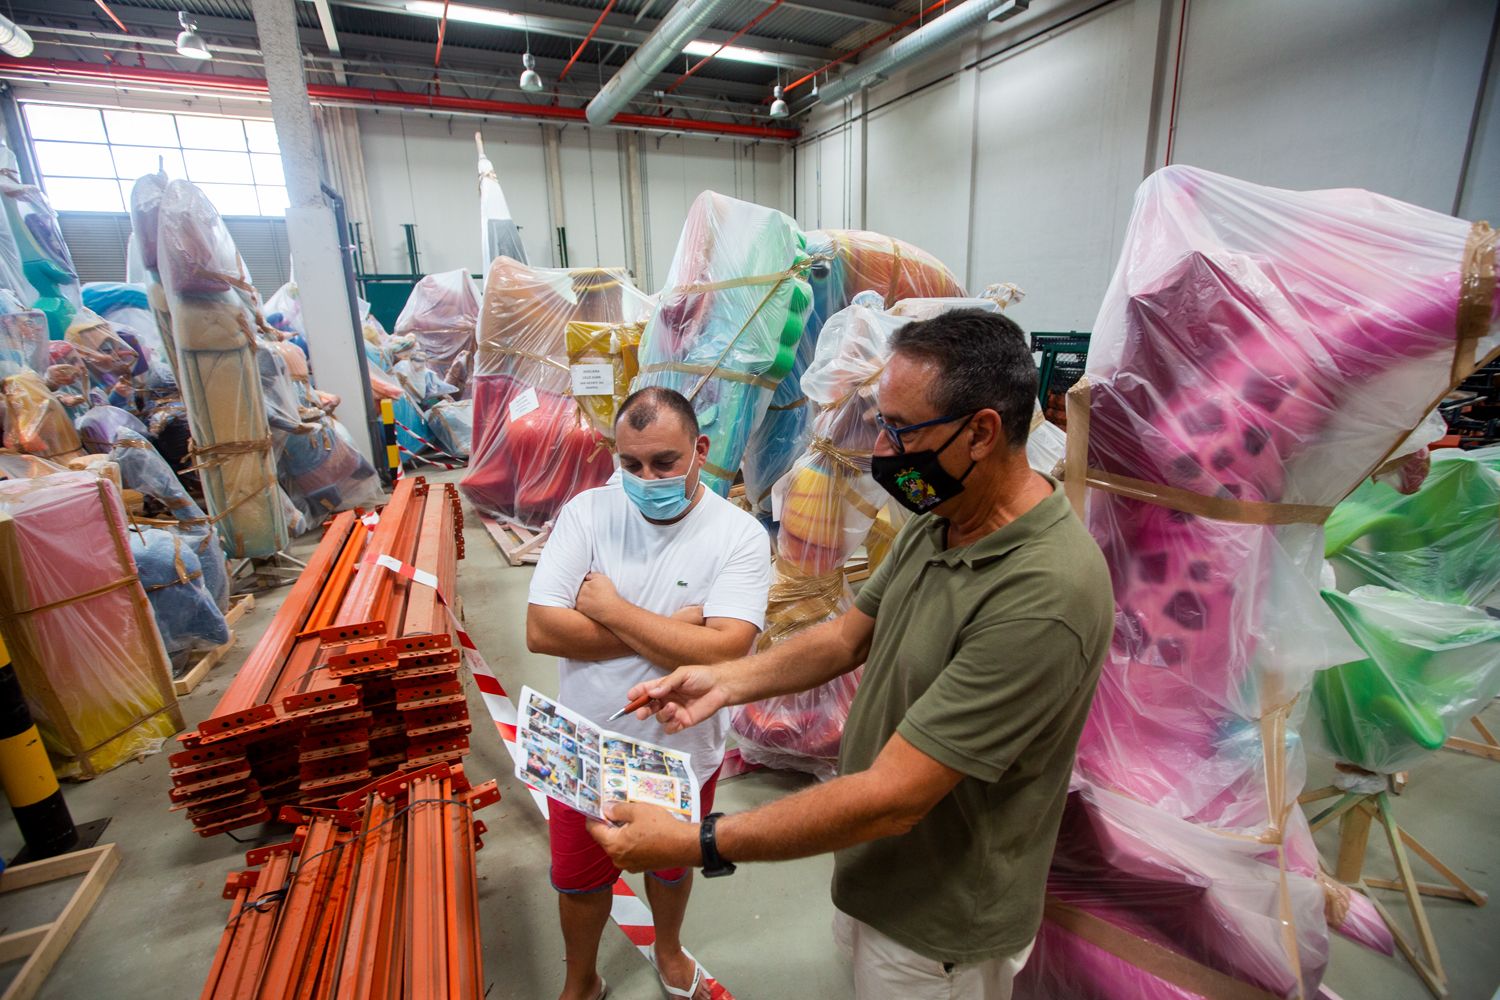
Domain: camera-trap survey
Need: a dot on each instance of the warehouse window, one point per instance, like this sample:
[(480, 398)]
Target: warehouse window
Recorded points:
[(90, 158)]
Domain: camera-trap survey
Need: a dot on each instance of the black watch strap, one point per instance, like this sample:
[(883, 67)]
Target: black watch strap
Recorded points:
[(713, 864)]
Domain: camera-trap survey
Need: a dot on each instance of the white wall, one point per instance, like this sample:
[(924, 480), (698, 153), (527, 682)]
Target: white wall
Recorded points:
[(1023, 168), (421, 168)]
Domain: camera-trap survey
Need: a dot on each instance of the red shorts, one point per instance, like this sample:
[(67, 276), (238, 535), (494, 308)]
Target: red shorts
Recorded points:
[(580, 865)]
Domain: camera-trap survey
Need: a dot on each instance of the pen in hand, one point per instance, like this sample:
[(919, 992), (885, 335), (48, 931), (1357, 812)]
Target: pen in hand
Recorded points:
[(634, 706)]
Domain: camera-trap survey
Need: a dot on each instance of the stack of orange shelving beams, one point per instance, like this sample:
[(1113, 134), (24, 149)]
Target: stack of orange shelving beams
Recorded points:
[(356, 676), (377, 898)]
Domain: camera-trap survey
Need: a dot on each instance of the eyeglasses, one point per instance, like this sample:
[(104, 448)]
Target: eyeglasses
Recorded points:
[(894, 433)]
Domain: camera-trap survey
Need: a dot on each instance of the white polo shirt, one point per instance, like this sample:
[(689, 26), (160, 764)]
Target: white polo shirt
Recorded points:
[(718, 556)]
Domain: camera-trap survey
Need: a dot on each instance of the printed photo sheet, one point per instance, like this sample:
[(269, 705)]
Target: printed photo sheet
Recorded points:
[(569, 759)]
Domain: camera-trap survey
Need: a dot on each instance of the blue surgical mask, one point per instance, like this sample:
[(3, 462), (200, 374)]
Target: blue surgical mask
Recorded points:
[(658, 499)]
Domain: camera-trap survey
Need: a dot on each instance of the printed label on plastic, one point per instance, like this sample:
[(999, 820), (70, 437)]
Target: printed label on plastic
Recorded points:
[(524, 404), (595, 379)]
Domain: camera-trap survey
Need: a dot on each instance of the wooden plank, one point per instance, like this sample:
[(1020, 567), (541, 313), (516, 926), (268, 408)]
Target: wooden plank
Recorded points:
[(239, 607), (185, 684), (22, 943), (1472, 747), (517, 543), (1465, 890), (50, 869), (1409, 888), (1354, 838), (1425, 888), (103, 862)]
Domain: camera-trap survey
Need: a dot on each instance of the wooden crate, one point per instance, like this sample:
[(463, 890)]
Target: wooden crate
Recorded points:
[(40, 947)]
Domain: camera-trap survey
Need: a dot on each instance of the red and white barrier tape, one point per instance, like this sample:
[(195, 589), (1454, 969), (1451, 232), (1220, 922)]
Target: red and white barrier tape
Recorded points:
[(428, 444)]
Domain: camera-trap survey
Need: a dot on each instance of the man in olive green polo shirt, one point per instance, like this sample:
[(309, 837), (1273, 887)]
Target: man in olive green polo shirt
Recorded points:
[(982, 635)]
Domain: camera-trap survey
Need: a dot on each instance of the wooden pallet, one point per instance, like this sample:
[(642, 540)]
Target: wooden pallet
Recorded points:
[(519, 544), (40, 947), (237, 610)]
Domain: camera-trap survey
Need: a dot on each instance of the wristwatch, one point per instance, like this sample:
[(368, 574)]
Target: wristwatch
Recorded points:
[(713, 864)]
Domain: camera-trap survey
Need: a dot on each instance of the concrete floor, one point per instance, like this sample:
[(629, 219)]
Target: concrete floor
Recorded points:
[(764, 932)]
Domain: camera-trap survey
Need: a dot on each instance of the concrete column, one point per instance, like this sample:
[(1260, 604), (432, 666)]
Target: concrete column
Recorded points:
[(635, 209), (337, 346), (552, 157)]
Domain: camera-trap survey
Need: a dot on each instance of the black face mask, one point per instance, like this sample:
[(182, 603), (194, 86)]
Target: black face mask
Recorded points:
[(917, 479)]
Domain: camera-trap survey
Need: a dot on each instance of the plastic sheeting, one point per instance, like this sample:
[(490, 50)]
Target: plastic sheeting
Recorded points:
[(36, 422), (1258, 353), (186, 614), (441, 314), (212, 305), (729, 323), (78, 625), (127, 305), (101, 426), (143, 469), (452, 425), (591, 348), (103, 352), (845, 263), (1429, 668), (498, 235), (45, 261), (145, 231), (1441, 543), (23, 338), (533, 449)]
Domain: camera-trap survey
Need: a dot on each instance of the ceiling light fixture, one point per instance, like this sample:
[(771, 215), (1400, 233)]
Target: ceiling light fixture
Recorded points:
[(463, 12), (778, 106), (531, 81), (734, 53), (190, 44)]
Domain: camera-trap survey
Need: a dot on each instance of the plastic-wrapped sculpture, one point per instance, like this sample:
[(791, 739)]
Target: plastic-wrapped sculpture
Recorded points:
[(213, 316), (36, 422), (127, 305), (533, 449), (441, 314), (45, 261), (145, 229), (103, 351), (1429, 667), (451, 422), (144, 470), (499, 236), (728, 325), (1258, 353), (1441, 543), (186, 615), (23, 337), (845, 263)]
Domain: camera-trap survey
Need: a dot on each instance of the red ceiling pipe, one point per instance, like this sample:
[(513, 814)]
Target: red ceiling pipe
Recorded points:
[(724, 45), (854, 52), (126, 75), (586, 39)]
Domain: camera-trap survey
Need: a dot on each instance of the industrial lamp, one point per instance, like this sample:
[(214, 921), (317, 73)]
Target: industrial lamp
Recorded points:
[(531, 82), (778, 106), (190, 44)]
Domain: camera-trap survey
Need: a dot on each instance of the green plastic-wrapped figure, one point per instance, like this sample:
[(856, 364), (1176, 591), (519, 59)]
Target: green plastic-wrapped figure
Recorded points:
[(45, 260), (1441, 543), (1429, 667)]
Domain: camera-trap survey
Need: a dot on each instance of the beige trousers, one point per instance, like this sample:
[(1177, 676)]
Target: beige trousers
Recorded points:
[(885, 970)]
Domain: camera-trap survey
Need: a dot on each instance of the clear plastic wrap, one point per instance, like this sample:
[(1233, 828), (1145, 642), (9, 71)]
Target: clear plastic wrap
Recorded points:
[(23, 337), (212, 306), (101, 425), (103, 352), (829, 506), (146, 198), (591, 346), (127, 305), (533, 449), (441, 314), (845, 263), (1441, 543), (1258, 353), (319, 466), (499, 236), (12, 274), (186, 614), (1429, 667), (729, 323), (45, 261), (451, 422), (36, 422), (144, 470), (78, 625)]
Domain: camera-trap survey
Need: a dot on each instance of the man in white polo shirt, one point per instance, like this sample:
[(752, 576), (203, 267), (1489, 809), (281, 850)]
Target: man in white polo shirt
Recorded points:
[(647, 573)]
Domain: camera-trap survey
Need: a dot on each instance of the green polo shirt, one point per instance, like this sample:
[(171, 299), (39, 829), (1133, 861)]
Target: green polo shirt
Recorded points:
[(984, 658)]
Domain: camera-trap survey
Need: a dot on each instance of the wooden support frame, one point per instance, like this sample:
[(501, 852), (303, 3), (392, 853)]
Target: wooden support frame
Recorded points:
[(43, 945), (519, 544), (187, 682), (1356, 813), (1486, 746)]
